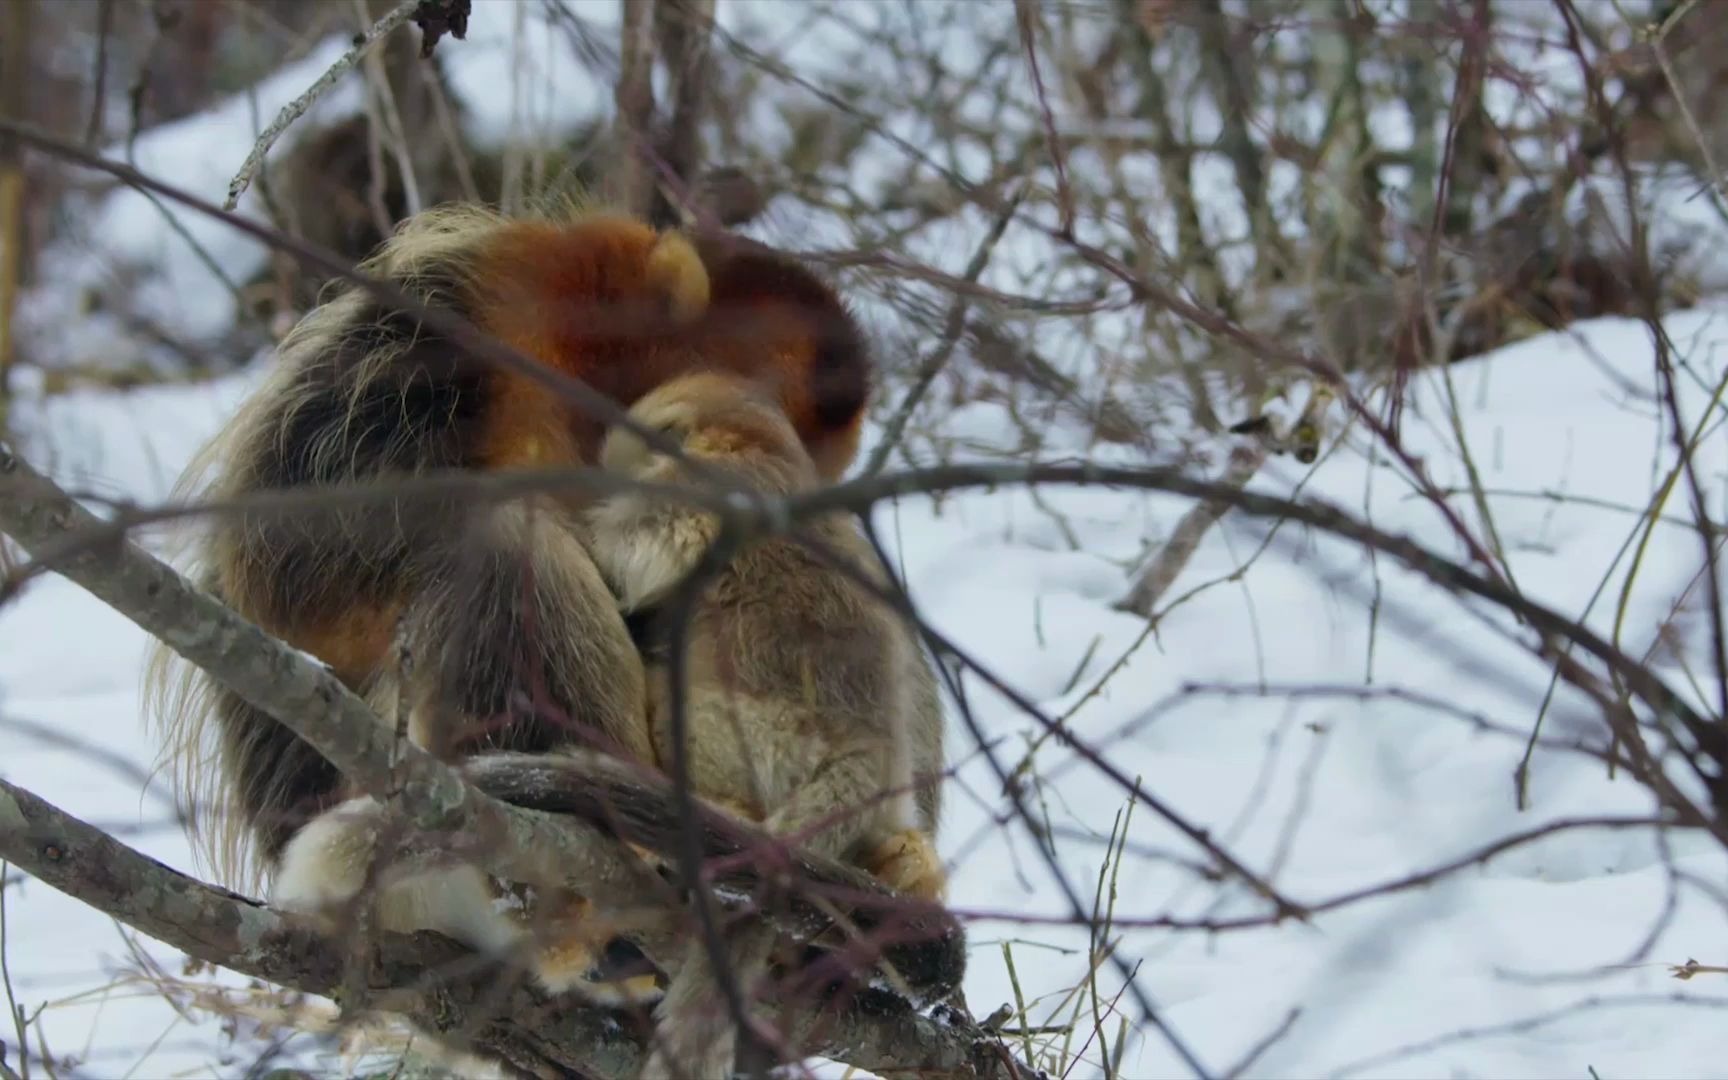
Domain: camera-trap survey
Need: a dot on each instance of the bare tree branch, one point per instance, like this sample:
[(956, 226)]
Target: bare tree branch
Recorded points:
[(432, 981), (14, 94), (1245, 460), (633, 101), (295, 109), (934, 361), (685, 31)]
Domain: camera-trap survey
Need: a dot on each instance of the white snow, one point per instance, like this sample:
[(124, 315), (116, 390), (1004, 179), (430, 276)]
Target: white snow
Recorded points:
[(163, 250)]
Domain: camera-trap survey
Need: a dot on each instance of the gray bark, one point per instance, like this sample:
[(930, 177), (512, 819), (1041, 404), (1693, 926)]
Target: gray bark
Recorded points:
[(463, 1000)]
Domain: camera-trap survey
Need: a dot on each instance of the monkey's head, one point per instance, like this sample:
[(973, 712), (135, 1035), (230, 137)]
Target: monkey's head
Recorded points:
[(587, 292), (770, 317), (720, 418)]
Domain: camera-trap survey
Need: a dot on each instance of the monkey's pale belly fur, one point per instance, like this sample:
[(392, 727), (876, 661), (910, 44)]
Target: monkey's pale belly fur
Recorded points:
[(740, 759)]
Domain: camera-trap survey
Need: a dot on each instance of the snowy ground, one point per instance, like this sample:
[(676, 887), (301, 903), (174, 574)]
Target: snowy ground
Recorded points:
[(1477, 976), (1323, 795)]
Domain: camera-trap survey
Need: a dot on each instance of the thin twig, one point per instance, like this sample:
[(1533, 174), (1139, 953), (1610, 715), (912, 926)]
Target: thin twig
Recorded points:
[(1153, 582), (1025, 19), (633, 106), (688, 26), (13, 1009), (952, 330), (295, 109), (1263, 1044), (99, 82), (1658, 38), (942, 646), (1417, 880), (1712, 740)]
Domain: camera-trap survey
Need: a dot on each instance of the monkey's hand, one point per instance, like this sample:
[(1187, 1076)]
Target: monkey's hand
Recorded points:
[(643, 549), (907, 861), (324, 867)]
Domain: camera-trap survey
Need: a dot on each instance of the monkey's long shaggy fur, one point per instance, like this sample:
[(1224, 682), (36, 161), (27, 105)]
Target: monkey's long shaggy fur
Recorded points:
[(494, 606)]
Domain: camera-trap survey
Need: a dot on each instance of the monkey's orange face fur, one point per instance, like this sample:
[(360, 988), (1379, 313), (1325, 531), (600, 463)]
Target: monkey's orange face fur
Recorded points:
[(608, 300)]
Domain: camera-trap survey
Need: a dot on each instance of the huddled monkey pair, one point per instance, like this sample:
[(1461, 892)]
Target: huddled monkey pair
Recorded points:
[(497, 634)]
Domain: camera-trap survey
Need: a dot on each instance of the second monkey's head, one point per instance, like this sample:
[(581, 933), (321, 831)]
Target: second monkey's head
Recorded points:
[(608, 299), (766, 306)]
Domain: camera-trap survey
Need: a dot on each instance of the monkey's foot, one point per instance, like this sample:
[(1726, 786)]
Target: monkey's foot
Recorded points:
[(621, 977), (586, 957), (574, 967), (323, 867), (653, 861), (908, 863)]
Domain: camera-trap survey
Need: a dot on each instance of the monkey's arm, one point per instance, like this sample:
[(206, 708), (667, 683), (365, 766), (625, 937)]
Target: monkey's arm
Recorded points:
[(923, 943), (516, 643)]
